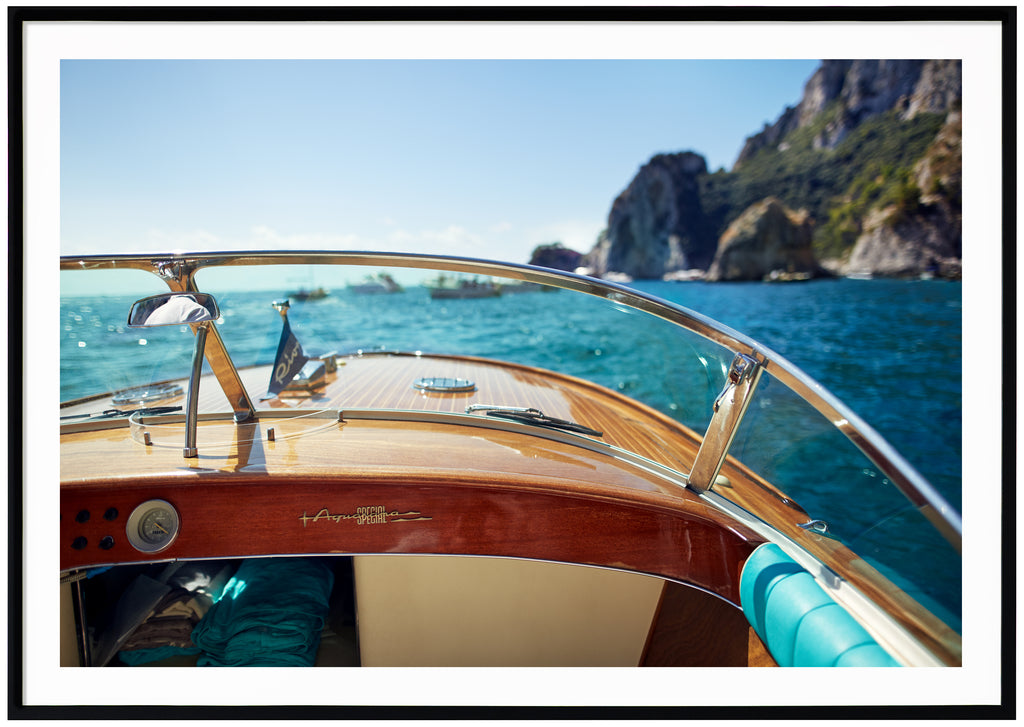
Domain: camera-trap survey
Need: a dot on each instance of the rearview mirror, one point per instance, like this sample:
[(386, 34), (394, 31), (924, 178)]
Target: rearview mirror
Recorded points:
[(171, 309)]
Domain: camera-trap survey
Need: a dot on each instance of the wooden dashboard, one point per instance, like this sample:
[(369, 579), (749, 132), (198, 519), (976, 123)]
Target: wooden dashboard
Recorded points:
[(321, 485)]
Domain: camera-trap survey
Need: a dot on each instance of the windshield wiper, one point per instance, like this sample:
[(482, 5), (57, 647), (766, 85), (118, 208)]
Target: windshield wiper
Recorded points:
[(533, 416), (114, 413)]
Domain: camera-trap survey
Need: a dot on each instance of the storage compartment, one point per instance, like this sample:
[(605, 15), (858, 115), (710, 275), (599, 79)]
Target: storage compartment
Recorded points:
[(395, 610), (263, 611)]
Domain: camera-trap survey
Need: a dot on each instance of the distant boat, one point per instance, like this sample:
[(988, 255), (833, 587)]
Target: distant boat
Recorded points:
[(315, 294), (681, 276), (783, 276), (381, 283), (450, 288), (860, 276)]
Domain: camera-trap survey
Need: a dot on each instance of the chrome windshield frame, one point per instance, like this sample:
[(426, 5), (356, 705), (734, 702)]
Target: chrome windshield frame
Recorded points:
[(178, 271)]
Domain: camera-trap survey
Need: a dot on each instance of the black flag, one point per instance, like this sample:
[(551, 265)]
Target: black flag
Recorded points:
[(289, 361)]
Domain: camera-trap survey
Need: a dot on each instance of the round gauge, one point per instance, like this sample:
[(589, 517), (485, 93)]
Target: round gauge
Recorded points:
[(152, 526)]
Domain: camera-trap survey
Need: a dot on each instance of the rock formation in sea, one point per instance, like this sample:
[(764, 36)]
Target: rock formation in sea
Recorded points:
[(556, 256), (767, 241), (657, 224)]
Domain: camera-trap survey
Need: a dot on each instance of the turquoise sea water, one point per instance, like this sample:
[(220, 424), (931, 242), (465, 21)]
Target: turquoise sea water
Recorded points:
[(891, 350)]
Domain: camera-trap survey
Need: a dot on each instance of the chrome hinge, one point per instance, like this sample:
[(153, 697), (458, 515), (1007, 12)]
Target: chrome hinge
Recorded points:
[(742, 368), (728, 410), (817, 526)]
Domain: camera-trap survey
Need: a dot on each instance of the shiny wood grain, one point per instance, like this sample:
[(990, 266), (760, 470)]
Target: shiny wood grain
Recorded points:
[(695, 629), (251, 518), (386, 382), (486, 491), (476, 492)]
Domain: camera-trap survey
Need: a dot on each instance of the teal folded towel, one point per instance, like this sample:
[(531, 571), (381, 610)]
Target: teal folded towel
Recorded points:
[(271, 613)]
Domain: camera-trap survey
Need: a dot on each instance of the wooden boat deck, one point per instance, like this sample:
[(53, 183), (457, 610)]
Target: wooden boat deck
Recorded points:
[(386, 382)]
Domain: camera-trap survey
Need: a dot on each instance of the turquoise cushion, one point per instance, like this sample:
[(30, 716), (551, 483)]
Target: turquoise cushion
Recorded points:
[(799, 623)]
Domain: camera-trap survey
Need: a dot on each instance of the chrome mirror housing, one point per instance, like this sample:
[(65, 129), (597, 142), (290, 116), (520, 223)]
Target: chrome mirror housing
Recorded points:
[(171, 309)]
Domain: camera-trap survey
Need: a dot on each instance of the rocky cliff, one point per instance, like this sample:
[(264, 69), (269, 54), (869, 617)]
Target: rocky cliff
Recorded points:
[(851, 152), (768, 241), (846, 93), (556, 256), (657, 224), (924, 234)]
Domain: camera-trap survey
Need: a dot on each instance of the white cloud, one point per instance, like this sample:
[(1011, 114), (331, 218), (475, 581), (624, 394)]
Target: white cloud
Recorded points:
[(161, 240), (450, 240), (498, 241), (259, 237), (455, 239), (267, 238)]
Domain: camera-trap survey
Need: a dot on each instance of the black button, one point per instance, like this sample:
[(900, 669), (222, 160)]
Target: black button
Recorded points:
[(82, 516), (110, 514), (79, 543), (107, 542)]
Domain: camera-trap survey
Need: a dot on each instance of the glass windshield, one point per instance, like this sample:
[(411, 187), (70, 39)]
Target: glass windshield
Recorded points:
[(345, 309), (787, 442), (99, 353)]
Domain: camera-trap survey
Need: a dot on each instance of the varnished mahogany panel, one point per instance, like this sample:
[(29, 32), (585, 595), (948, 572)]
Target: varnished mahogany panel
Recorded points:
[(696, 629), (231, 517)]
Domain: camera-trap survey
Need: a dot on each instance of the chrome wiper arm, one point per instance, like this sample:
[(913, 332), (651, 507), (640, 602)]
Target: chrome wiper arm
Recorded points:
[(507, 409), (534, 417), (114, 413)]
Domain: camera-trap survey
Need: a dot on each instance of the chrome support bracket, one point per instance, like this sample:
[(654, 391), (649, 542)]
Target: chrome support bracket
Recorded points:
[(192, 406), (729, 407), (177, 275)]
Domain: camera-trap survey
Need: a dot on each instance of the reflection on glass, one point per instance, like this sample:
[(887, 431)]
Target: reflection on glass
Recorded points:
[(787, 442), (645, 358)]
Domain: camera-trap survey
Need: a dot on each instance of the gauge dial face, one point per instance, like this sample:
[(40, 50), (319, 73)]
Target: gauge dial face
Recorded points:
[(152, 526)]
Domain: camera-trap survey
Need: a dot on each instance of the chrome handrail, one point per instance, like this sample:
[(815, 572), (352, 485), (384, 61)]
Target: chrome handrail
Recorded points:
[(178, 270)]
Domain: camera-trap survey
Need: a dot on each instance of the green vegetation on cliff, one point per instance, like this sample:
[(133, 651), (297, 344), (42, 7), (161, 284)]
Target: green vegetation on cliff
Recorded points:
[(871, 167)]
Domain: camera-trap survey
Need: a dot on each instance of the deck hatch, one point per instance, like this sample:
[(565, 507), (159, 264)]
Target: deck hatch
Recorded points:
[(444, 384)]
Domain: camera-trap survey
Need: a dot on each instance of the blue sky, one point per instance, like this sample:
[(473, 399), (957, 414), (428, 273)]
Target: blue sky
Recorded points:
[(485, 158)]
